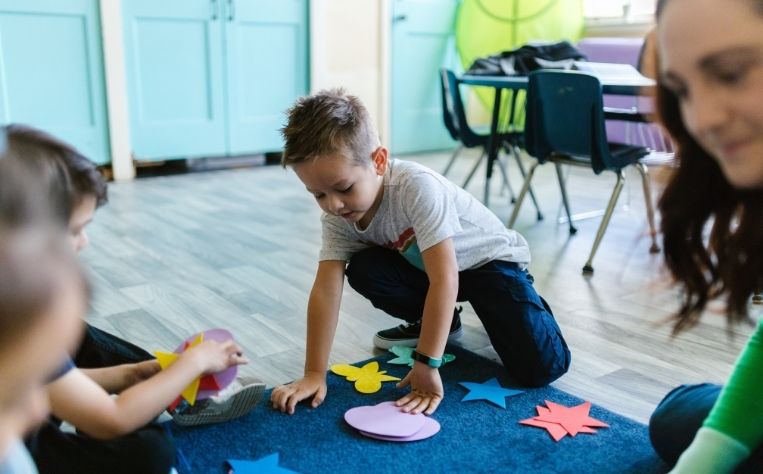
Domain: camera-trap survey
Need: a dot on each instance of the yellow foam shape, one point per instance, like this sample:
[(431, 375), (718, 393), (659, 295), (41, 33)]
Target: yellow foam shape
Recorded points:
[(166, 359), (368, 379)]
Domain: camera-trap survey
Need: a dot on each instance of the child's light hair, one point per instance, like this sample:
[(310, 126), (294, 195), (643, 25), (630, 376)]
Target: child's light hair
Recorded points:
[(325, 123), (34, 254)]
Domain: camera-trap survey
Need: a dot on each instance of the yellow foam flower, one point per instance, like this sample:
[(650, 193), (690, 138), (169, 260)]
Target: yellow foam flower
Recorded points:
[(368, 379)]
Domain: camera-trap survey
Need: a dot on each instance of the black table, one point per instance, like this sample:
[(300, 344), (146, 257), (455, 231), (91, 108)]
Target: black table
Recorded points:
[(610, 85)]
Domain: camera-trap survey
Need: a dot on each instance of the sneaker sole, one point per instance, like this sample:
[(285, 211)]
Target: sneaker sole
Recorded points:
[(238, 405), (384, 343)]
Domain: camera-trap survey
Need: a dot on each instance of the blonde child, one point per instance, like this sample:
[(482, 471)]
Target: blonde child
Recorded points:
[(414, 244)]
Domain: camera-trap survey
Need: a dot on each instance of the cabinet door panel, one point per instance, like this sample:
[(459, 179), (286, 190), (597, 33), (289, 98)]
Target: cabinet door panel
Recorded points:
[(51, 71), (174, 66), (267, 69), (422, 43)]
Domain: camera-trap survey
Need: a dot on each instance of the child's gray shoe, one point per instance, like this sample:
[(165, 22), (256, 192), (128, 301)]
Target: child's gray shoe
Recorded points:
[(234, 401)]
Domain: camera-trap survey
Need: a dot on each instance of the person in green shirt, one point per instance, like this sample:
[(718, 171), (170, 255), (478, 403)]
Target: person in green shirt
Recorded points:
[(710, 99)]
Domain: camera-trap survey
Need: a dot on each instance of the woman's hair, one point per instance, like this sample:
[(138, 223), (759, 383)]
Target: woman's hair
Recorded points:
[(65, 174), (727, 262)]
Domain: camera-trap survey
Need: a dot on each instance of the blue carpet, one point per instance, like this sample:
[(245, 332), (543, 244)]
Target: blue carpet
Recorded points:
[(476, 436)]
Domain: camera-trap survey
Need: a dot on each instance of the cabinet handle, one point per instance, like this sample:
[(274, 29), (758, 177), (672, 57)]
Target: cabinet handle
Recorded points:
[(231, 10), (213, 6)]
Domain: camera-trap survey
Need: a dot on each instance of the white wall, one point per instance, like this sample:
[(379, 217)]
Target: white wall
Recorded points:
[(116, 89), (349, 48)]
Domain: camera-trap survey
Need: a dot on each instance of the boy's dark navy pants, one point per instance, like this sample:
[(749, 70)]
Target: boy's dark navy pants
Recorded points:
[(517, 320), (102, 349)]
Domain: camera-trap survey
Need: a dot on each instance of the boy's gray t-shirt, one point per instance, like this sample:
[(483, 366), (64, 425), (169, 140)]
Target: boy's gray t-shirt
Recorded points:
[(420, 209)]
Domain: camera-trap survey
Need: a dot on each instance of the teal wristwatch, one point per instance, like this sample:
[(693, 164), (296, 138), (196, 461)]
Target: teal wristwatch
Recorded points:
[(430, 361)]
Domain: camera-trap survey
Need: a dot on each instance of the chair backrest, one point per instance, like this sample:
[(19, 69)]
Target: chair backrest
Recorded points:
[(463, 132), (565, 115), (448, 110)]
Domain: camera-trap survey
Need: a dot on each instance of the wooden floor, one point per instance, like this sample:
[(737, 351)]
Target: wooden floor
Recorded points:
[(173, 255)]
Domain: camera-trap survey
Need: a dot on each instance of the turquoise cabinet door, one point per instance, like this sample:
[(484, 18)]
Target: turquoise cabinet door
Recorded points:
[(51, 71), (174, 62), (266, 54), (422, 43)]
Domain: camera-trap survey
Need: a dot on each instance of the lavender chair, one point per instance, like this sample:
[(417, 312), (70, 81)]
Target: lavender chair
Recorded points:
[(626, 51)]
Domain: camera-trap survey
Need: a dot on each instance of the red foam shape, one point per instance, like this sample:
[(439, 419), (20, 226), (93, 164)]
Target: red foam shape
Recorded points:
[(209, 382), (556, 431), (175, 404), (572, 419)]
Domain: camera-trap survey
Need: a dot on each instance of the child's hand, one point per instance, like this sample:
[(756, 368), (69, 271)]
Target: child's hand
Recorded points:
[(213, 356), (426, 390), (286, 397)]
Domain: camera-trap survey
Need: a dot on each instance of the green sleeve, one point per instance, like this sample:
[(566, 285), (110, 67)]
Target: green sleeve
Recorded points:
[(738, 413), (711, 452)]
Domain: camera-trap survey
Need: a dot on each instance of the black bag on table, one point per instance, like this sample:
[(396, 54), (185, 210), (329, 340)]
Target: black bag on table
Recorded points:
[(525, 59)]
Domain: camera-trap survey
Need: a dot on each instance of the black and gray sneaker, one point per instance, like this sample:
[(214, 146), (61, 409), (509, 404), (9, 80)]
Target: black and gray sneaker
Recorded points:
[(236, 400), (407, 334)]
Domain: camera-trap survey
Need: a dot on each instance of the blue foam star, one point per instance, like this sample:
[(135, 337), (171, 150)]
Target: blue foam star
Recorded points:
[(266, 465), (490, 391)]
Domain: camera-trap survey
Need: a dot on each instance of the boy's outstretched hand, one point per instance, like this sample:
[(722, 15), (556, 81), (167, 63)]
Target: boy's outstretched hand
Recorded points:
[(426, 390), (286, 397)]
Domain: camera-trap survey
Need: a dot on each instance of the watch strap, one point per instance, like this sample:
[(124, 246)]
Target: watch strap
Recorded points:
[(430, 361)]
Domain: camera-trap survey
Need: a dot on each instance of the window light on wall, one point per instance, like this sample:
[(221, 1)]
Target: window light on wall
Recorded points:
[(619, 11)]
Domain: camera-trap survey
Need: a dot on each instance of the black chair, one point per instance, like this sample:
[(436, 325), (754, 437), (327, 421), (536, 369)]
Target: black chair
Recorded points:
[(454, 118), (565, 126)]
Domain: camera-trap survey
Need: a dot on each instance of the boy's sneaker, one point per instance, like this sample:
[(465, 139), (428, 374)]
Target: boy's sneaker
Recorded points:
[(236, 400), (407, 334)]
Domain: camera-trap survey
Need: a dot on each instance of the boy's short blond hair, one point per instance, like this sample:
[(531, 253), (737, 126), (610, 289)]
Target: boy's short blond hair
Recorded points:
[(325, 123)]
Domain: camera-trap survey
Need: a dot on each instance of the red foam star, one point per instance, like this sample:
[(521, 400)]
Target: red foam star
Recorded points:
[(560, 421), (572, 419)]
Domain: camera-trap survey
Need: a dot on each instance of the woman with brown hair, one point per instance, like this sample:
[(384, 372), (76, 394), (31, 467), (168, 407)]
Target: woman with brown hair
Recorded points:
[(710, 99)]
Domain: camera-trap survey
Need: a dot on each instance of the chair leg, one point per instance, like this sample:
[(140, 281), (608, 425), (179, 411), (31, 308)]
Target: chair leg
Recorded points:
[(473, 170), (588, 268), (521, 197), (518, 159), (649, 206), (486, 192), (452, 160), (506, 181), (565, 200)]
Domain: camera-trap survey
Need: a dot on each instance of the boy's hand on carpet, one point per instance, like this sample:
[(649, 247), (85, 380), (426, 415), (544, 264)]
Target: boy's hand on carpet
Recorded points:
[(426, 390), (285, 397)]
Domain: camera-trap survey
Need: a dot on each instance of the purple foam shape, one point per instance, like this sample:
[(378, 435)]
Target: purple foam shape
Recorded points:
[(224, 378), (430, 428), (385, 419)]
